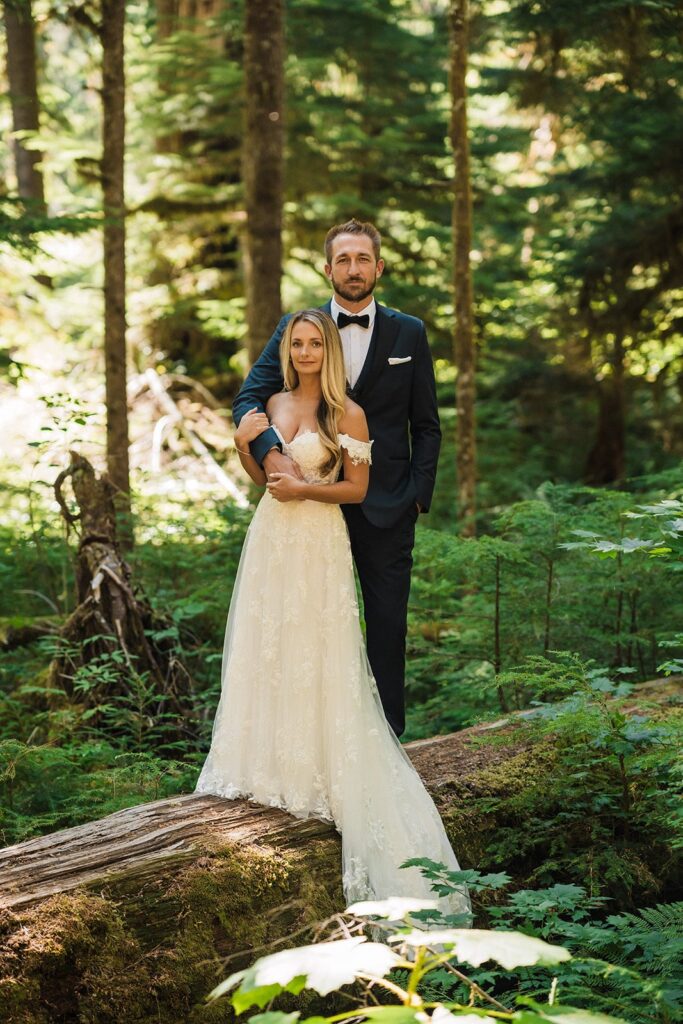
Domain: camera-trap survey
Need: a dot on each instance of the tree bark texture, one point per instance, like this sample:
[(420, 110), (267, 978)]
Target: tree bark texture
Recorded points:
[(113, 148), (113, 619), (262, 168), (23, 94), (166, 25), (464, 350)]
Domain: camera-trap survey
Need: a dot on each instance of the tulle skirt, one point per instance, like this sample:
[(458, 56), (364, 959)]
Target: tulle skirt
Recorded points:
[(300, 724)]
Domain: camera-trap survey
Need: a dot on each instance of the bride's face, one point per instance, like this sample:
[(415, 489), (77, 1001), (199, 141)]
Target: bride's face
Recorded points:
[(306, 351)]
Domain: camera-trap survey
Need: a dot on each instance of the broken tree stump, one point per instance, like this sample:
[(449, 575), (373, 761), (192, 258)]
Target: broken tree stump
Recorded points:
[(114, 628)]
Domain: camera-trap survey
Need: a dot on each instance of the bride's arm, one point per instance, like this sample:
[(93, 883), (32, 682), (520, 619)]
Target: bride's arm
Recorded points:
[(349, 491)]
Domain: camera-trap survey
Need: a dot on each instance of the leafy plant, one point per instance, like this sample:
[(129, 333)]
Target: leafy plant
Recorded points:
[(410, 954), (628, 964)]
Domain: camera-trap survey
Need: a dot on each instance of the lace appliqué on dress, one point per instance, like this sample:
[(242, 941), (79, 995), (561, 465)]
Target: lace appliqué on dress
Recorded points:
[(300, 723), (358, 450)]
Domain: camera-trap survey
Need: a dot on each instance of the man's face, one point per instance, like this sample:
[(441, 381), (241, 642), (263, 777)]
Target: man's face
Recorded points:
[(353, 271)]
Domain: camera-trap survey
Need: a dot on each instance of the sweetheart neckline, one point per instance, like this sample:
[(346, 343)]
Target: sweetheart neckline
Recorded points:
[(314, 433), (302, 434)]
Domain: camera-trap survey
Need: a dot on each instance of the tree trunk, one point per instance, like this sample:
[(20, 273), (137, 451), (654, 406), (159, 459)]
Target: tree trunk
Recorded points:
[(167, 25), (113, 142), (23, 94), (606, 460), (462, 276), (262, 168), (167, 18)]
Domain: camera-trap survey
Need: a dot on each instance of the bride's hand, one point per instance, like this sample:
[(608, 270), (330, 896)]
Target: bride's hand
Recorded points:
[(285, 487), (251, 425)]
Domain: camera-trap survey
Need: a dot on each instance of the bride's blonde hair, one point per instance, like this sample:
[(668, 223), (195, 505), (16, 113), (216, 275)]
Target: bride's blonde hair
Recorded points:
[(332, 378)]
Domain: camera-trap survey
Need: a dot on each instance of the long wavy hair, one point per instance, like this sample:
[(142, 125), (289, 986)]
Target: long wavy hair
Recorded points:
[(332, 378)]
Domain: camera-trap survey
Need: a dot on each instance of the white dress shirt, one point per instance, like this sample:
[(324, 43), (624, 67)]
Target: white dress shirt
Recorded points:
[(355, 339)]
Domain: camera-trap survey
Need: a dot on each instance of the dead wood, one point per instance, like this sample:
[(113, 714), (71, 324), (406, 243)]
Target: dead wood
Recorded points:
[(114, 622), (13, 636), (136, 916), (176, 416)]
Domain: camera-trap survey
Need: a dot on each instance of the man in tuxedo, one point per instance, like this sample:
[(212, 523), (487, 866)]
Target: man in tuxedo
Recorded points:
[(391, 376)]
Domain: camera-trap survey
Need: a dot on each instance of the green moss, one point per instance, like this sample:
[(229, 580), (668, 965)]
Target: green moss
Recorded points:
[(474, 808), (530, 814), (89, 957), (521, 772), (245, 900), (59, 955)]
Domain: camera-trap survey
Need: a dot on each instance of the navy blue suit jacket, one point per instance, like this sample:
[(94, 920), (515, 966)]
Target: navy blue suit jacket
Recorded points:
[(399, 401)]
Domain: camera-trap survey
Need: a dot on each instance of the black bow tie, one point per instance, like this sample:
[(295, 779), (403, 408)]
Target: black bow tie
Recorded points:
[(343, 320)]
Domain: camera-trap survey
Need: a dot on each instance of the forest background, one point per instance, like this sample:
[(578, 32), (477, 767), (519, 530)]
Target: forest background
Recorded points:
[(566, 599)]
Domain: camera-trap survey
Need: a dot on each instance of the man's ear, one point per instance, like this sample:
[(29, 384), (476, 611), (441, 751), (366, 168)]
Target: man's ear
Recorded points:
[(328, 271), (380, 267)]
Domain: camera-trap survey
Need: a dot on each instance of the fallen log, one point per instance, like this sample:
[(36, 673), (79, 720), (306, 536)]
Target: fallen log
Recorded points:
[(131, 917), (176, 417), (135, 917), (13, 635), (157, 838)]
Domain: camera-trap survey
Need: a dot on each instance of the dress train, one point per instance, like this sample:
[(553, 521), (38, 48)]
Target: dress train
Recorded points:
[(300, 723)]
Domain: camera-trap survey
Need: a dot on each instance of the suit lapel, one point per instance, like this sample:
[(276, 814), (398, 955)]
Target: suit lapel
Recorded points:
[(381, 344), (384, 333), (369, 356)]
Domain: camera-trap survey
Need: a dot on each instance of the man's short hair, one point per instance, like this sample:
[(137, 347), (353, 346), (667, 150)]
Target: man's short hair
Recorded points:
[(353, 227)]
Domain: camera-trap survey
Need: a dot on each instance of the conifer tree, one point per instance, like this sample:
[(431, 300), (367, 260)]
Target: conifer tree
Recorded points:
[(262, 168), (23, 94), (113, 147), (462, 274)]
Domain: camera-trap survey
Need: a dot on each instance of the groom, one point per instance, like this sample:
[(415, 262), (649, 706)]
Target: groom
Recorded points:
[(390, 374)]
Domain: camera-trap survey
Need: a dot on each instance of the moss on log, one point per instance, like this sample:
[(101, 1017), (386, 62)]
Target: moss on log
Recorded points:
[(139, 911), (131, 917), (135, 917)]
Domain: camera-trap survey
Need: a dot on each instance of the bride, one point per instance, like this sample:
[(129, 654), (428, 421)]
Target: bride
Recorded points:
[(299, 724)]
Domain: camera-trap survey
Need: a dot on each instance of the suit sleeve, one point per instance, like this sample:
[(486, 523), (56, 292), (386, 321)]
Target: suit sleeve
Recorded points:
[(425, 429), (263, 380)]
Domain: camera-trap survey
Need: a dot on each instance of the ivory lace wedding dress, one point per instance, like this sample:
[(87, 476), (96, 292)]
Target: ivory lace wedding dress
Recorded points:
[(299, 724)]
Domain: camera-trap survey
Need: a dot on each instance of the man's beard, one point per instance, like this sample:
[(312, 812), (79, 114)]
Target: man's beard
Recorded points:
[(352, 296)]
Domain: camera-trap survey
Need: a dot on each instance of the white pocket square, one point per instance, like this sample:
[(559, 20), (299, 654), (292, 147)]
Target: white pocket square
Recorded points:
[(395, 360)]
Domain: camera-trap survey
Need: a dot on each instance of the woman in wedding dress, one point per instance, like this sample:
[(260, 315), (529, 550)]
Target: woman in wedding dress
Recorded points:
[(299, 724)]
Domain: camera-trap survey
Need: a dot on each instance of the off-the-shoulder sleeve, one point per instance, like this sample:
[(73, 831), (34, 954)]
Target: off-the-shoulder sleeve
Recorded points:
[(359, 451)]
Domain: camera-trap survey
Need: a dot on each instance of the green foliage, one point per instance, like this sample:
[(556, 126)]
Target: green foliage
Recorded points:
[(63, 762), (45, 787), (577, 225), (599, 799), (481, 608), (575, 114), (626, 964), (607, 801), (23, 223)]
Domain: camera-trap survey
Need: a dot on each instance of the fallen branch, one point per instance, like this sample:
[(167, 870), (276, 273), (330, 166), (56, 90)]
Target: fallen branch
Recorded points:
[(176, 417)]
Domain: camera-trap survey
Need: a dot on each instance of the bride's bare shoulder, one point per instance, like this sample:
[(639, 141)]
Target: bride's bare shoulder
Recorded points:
[(353, 421), (277, 401)]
